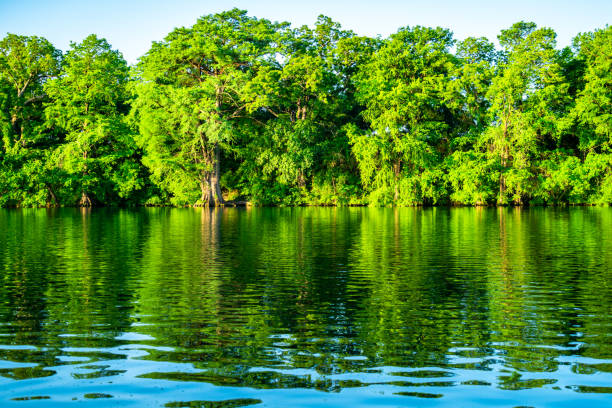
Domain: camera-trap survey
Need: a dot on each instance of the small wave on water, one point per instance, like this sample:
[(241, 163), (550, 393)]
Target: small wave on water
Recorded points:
[(306, 307)]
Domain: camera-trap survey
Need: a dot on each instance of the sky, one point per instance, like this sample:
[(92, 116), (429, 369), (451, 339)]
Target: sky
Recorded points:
[(131, 25)]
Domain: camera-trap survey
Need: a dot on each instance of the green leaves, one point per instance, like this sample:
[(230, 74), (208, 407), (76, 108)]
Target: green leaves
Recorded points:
[(403, 88), (26, 63), (88, 102), (238, 107), (592, 115), (193, 95), (528, 98)]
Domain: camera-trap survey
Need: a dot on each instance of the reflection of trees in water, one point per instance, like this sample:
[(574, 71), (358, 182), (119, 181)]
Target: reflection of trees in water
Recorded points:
[(539, 285), (22, 235), (75, 270), (273, 293), (179, 291), (307, 288), (593, 285), (405, 319), (98, 257), (513, 324)]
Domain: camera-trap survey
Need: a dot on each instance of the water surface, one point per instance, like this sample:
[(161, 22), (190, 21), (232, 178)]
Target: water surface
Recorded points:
[(306, 307)]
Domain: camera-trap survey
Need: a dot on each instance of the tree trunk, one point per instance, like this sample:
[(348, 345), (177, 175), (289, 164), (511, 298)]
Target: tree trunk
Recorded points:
[(53, 198), (207, 198), (209, 183), (505, 155), (502, 181), (85, 200), (396, 175), (16, 126), (214, 177)]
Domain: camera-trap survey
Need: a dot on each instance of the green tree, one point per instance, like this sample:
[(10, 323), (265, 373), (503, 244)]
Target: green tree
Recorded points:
[(591, 117), (467, 165), (88, 104), (302, 102), (26, 63), (189, 100), (403, 88), (592, 113), (527, 99), (236, 107)]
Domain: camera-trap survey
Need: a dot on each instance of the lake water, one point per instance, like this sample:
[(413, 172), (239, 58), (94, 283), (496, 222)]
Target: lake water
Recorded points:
[(306, 307)]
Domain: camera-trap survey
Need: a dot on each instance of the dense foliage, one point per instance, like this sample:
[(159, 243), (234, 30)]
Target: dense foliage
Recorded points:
[(241, 108)]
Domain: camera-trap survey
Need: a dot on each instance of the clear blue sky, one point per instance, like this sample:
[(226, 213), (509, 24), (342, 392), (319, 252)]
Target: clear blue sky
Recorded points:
[(131, 25)]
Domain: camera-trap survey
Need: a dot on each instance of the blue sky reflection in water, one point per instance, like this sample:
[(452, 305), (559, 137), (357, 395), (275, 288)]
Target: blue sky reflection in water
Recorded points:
[(306, 307)]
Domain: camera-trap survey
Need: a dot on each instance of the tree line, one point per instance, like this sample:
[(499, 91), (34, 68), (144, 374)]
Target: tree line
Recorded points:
[(238, 108)]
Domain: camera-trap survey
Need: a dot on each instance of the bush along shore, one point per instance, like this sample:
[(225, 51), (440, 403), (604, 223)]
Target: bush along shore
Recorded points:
[(238, 109)]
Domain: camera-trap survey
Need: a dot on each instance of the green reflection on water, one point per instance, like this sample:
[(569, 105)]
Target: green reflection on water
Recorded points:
[(311, 298)]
